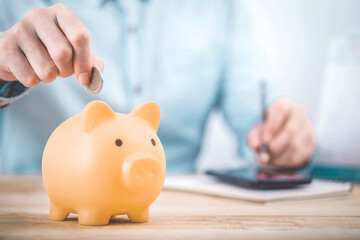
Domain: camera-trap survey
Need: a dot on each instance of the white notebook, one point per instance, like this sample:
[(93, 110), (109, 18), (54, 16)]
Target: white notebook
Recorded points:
[(209, 185)]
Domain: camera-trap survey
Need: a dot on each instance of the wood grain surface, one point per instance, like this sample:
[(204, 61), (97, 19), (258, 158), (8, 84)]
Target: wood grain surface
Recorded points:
[(175, 215)]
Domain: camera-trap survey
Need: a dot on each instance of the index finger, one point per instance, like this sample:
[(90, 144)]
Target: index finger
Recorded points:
[(79, 38)]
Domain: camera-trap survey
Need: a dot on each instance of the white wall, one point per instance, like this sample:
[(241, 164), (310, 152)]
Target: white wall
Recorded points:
[(295, 35)]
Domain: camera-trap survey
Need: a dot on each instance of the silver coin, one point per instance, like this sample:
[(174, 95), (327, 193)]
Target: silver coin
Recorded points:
[(96, 82)]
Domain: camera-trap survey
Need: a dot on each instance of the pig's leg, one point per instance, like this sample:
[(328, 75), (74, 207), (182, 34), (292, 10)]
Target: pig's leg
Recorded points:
[(56, 213), (139, 216), (93, 217)]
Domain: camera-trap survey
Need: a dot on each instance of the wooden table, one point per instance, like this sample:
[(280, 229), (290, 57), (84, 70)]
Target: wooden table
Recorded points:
[(175, 215)]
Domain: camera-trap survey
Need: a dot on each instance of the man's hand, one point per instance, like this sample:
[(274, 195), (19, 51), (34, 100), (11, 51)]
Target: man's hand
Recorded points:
[(45, 44), (288, 133)]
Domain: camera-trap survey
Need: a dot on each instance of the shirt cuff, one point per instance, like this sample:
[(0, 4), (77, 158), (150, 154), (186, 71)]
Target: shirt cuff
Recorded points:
[(10, 92)]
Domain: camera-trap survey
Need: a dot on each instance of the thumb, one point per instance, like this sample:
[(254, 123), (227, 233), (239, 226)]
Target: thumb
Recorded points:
[(7, 76), (254, 138), (97, 62)]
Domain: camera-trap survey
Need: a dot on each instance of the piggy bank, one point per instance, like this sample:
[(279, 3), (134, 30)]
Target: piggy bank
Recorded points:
[(100, 163)]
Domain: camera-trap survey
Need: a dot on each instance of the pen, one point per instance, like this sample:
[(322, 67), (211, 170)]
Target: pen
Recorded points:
[(264, 155)]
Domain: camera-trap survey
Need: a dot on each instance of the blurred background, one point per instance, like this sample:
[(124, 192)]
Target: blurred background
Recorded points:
[(313, 47), (313, 50)]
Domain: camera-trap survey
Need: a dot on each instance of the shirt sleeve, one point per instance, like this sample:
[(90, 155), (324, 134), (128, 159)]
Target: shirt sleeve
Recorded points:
[(244, 66), (10, 92), (14, 90)]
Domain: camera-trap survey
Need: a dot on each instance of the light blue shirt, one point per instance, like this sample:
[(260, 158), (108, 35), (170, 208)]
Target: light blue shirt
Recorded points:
[(190, 57)]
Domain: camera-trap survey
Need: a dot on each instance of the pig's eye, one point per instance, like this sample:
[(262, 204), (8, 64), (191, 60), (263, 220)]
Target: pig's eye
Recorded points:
[(118, 142), (153, 142)]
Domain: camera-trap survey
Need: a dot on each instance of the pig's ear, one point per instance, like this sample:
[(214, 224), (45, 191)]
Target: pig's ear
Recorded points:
[(150, 112), (94, 113)]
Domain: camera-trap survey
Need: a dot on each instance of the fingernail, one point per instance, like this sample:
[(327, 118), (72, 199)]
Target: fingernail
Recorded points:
[(264, 157), (84, 78)]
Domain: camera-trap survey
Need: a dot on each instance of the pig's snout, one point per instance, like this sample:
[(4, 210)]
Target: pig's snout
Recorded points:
[(140, 170)]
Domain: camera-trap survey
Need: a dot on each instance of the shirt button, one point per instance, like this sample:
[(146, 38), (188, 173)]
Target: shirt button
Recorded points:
[(137, 90), (132, 30)]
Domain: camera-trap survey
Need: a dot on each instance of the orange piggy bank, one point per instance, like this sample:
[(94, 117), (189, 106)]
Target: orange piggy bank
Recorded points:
[(99, 164)]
